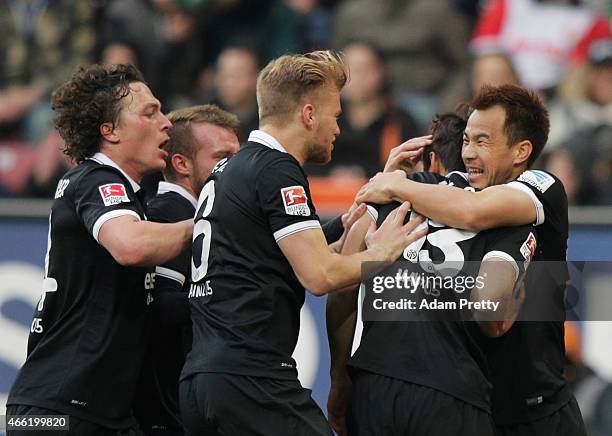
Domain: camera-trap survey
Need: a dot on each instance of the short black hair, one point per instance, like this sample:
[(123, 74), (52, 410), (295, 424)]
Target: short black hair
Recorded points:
[(447, 130)]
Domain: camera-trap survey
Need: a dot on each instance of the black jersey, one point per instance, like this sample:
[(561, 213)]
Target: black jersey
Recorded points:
[(527, 362), (245, 298), (89, 331), (156, 405), (443, 355)]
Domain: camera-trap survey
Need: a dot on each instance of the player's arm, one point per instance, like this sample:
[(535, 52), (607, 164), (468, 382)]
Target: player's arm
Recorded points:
[(341, 317), (170, 303), (321, 271), (133, 242), (502, 285), (495, 206)]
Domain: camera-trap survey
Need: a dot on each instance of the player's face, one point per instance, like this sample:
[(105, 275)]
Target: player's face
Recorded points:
[(214, 143), (142, 131), (486, 154), (326, 130)]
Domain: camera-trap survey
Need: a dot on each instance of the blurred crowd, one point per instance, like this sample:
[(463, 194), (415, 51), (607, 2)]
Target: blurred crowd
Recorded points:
[(408, 59)]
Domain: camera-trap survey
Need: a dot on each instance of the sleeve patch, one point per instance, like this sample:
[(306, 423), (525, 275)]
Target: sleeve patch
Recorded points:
[(538, 179), (295, 200), (528, 248), (113, 193)]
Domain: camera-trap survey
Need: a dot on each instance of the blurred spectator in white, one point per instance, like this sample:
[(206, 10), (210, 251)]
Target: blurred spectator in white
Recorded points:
[(161, 39), (235, 82), (371, 124), (494, 69), (41, 43), (425, 43), (585, 97), (544, 38), (581, 130)]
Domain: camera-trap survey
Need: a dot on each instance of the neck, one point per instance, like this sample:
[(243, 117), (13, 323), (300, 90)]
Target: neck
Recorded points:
[(290, 137), (517, 171), (184, 183), (123, 162), (363, 113)]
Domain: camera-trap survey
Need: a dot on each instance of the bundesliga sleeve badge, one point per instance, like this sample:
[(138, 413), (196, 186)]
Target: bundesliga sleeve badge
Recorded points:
[(295, 200), (113, 193)]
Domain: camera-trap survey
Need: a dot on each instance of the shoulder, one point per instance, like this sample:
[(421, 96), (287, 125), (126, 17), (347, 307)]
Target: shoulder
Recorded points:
[(169, 207)]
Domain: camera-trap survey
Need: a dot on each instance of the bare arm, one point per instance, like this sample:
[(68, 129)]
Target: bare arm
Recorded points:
[(502, 286), (132, 242), (495, 206), (321, 271), (341, 316)]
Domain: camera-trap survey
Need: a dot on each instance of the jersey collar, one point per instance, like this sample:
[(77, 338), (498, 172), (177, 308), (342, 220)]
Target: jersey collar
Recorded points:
[(173, 187), (266, 139), (103, 159)]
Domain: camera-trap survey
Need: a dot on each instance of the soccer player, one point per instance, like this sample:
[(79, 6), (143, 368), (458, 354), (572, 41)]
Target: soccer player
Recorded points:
[(257, 244), (89, 331), (200, 137), (504, 136), (430, 376)]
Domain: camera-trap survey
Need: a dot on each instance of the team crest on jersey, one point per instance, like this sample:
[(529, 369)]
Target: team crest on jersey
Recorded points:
[(538, 179), (528, 248), (295, 200), (113, 193)]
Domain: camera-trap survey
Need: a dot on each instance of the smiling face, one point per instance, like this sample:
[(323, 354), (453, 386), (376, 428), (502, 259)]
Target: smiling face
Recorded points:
[(488, 158), (141, 132), (327, 109)]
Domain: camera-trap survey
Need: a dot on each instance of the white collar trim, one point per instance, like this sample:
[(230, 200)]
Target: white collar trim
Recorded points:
[(103, 159), (266, 139), (173, 187)]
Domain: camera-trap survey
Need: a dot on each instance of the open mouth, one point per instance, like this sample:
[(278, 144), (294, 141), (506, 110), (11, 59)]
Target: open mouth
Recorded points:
[(475, 171)]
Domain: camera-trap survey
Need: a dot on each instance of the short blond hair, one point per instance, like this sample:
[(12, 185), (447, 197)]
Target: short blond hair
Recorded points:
[(284, 82), (182, 140)]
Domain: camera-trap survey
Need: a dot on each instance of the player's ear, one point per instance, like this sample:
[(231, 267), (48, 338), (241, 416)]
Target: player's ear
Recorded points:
[(308, 116), (107, 130), (181, 164), (522, 151)]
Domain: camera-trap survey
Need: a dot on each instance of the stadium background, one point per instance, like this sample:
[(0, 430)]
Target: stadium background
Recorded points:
[(199, 51)]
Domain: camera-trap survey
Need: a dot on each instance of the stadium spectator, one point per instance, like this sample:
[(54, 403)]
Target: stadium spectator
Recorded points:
[(164, 40), (492, 69), (425, 43), (256, 231), (235, 82), (200, 137), (545, 39), (582, 127), (101, 252), (371, 124), (42, 43)]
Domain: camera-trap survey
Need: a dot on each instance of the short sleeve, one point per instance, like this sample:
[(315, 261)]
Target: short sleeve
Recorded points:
[(171, 208), (102, 195), (517, 245), (283, 193), (547, 194)]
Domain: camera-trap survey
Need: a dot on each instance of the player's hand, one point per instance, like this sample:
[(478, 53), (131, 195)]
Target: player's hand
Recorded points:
[(406, 155), (393, 235), (337, 401), (379, 189)]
